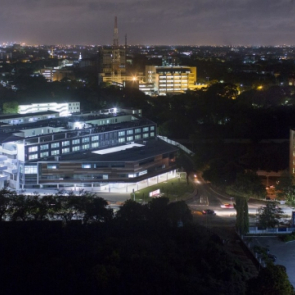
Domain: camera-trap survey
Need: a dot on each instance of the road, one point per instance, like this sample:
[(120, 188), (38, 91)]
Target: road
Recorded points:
[(206, 197)]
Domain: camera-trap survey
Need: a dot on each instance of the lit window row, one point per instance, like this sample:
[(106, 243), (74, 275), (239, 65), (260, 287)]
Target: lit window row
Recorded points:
[(54, 145)]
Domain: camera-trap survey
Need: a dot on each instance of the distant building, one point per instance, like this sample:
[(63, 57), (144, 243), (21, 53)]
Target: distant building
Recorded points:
[(64, 108), (163, 80), (112, 61), (56, 74)]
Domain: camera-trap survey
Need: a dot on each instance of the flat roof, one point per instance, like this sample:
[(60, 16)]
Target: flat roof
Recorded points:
[(117, 149), (11, 116)]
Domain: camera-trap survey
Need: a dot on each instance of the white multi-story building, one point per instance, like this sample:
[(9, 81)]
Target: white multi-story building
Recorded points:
[(111, 149), (169, 79), (64, 109)]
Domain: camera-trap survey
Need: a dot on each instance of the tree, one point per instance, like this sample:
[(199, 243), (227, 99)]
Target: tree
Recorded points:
[(37, 207), (65, 206), (242, 220), (248, 184), (179, 211), (271, 280), (289, 195), (267, 215), (158, 210), (20, 208), (6, 198), (10, 107), (95, 209), (285, 188), (132, 211)]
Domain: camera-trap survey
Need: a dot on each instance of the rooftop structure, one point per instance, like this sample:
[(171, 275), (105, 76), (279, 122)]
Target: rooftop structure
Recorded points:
[(64, 109)]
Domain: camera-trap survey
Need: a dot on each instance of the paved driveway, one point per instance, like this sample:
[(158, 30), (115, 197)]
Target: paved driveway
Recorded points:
[(285, 253)]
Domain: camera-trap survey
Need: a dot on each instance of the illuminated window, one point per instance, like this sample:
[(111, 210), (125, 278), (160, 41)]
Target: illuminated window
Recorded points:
[(122, 139), (85, 139), (94, 138), (121, 133), (129, 138), (30, 169), (137, 137), (95, 144), (44, 154), (85, 146), (55, 145), (54, 152), (145, 135), (152, 134), (65, 143), (76, 148), (86, 166), (44, 147), (145, 129), (33, 156), (33, 149), (152, 127), (52, 166), (76, 141), (65, 150), (129, 132)]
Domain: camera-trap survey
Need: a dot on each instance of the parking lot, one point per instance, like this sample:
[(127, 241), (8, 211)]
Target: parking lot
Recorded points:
[(285, 253)]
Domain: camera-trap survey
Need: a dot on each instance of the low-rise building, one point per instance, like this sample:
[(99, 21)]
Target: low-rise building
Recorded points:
[(112, 149)]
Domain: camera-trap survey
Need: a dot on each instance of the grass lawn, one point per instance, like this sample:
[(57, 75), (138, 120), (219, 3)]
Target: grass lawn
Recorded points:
[(175, 189)]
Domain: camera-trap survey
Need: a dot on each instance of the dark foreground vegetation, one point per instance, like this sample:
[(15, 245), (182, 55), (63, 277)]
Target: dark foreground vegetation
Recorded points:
[(144, 249)]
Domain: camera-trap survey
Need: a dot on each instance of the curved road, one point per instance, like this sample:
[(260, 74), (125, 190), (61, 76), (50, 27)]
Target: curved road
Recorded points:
[(205, 197)]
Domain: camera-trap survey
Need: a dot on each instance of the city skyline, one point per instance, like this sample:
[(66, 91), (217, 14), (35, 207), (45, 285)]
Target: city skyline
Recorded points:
[(227, 22)]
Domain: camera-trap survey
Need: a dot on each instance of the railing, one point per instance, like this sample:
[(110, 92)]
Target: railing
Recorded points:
[(175, 143), (276, 230)]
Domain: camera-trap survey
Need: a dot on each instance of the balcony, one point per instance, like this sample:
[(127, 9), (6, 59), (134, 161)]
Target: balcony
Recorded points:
[(9, 152), (3, 167), (3, 177)]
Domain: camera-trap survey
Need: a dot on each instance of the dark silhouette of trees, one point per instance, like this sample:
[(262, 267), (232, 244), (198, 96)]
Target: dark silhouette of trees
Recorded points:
[(268, 215), (242, 220), (272, 280)]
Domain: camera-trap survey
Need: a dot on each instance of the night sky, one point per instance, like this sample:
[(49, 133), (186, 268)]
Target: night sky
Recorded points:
[(193, 22)]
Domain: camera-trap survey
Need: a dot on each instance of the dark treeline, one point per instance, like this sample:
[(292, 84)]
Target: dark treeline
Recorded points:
[(20, 207), (143, 249)]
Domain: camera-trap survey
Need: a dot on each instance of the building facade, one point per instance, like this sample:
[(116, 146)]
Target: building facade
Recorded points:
[(56, 74), (108, 149), (168, 79), (64, 109)]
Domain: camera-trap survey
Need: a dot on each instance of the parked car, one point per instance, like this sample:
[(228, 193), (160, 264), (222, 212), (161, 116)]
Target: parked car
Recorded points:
[(209, 212)]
